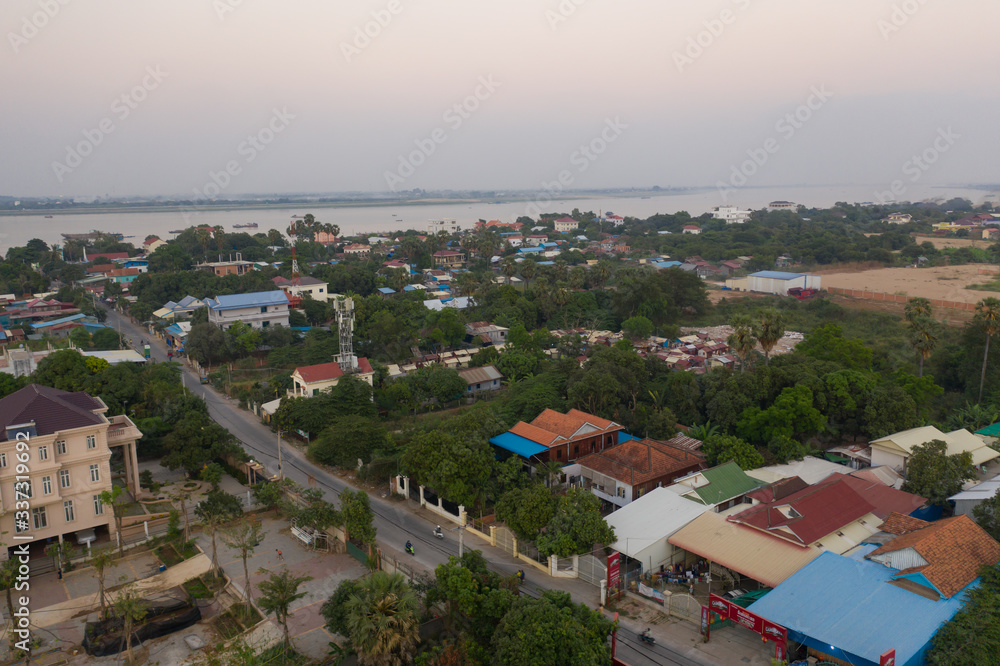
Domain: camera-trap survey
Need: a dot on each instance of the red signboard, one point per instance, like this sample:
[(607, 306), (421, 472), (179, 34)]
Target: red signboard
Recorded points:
[(727, 610), (888, 658), (614, 570)]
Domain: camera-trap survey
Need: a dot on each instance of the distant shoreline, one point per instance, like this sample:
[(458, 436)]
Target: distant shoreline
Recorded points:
[(306, 206)]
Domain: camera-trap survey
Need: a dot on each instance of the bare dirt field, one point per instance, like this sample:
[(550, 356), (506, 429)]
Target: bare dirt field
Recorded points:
[(945, 242), (943, 282)]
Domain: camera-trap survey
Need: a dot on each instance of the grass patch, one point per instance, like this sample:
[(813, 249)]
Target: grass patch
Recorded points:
[(228, 626), (986, 286), (190, 485), (168, 555), (246, 614), (133, 509), (197, 589), (213, 581), (159, 507)]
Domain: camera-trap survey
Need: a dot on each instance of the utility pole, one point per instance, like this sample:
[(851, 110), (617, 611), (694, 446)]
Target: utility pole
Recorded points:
[(461, 540), (281, 475)]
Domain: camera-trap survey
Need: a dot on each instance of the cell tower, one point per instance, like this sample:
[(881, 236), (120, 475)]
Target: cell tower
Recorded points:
[(345, 326)]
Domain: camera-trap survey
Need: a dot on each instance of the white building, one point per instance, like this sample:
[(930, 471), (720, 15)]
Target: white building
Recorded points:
[(451, 226), (779, 282), (896, 449), (732, 214), (967, 500), (643, 527), (783, 205), (566, 224), (691, 229), (308, 286), (260, 309)]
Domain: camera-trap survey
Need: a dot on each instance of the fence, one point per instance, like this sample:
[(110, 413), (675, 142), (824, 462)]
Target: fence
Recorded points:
[(506, 541), (898, 298)]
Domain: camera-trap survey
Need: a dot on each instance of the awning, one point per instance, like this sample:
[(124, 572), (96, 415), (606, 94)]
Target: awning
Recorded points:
[(84, 537), (519, 445)]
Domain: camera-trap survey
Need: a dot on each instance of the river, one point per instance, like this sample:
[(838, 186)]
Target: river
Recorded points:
[(137, 225)]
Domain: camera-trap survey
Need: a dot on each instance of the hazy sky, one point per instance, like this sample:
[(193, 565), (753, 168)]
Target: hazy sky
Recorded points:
[(668, 93)]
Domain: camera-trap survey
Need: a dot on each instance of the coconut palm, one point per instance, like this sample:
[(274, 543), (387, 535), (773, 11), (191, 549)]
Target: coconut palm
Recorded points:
[(551, 470), (742, 341), (924, 335), (528, 270), (602, 272), (769, 329), (987, 318), (382, 620), (703, 432), (508, 267)]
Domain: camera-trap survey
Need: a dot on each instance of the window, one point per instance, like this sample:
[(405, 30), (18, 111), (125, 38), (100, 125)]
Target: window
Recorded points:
[(263, 309), (576, 450), (43, 453), (265, 324), (91, 441), (3, 459), (61, 447), (38, 515), (98, 507), (64, 478), (559, 454), (68, 508), (95, 473), (46, 485)]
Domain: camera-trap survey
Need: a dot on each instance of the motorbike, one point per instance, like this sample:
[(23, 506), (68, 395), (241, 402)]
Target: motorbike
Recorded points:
[(646, 638), (438, 533), (409, 549)]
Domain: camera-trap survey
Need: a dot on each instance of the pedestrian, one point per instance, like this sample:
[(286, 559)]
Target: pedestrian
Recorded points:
[(691, 589), (280, 556)]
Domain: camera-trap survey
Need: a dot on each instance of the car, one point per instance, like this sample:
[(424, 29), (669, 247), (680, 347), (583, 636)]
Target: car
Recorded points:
[(735, 593)]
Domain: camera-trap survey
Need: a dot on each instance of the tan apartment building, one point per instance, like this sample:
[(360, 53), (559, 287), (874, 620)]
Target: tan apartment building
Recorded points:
[(66, 442)]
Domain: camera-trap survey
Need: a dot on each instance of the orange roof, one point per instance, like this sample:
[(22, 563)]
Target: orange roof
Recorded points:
[(954, 548), (899, 524), (635, 462), (322, 372), (566, 425), (537, 435)]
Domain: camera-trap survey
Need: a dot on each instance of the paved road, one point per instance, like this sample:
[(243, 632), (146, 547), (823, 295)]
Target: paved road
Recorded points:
[(394, 521)]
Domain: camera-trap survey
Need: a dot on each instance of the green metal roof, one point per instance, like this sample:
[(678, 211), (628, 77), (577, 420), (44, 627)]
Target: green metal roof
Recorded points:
[(726, 482), (990, 430)]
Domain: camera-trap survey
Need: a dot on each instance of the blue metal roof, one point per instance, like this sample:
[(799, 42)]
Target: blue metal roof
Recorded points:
[(849, 610), (386, 290), (625, 437), (63, 320), (516, 444), (529, 250), (776, 275), (666, 264), (252, 300)]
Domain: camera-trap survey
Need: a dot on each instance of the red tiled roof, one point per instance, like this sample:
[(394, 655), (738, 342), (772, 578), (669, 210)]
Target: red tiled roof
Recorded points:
[(779, 489), (52, 410), (122, 272), (818, 510), (954, 548), (537, 435), (110, 256), (324, 372), (634, 462), (899, 524), (884, 498), (567, 424), (101, 268)]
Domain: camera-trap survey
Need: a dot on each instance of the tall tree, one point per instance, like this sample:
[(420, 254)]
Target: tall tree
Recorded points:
[(382, 619), (935, 475), (129, 608), (244, 537), (924, 335), (769, 329), (278, 593), (217, 509), (359, 520), (988, 319), (117, 499), (742, 340), (552, 630), (917, 308)]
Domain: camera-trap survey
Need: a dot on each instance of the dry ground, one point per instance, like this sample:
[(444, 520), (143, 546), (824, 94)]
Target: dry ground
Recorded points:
[(943, 282), (945, 242)]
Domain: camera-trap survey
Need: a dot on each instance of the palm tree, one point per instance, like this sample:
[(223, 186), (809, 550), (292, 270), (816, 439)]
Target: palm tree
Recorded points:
[(204, 237), (577, 277), (916, 308), (400, 278), (602, 272), (987, 318), (382, 620), (924, 334), (703, 432), (508, 268), (278, 593), (551, 470), (742, 341), (528, 270), (769, 329), (274, 237)]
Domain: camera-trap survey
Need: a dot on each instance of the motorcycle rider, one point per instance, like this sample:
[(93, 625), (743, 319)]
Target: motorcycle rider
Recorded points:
[(645, 636), (409, 547), (438, 532)]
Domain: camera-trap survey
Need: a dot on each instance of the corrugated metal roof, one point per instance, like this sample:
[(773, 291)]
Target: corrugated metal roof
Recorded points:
[(517, 444), (251, 300), (745, 550), (838, 601), (653, 517), (480, 375), (726, 482), (776, 275)]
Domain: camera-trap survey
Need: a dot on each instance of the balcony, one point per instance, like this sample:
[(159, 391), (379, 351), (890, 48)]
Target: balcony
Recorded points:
[(122, 430)]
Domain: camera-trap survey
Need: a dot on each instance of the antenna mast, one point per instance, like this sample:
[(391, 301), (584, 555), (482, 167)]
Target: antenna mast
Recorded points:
[(345, 328)]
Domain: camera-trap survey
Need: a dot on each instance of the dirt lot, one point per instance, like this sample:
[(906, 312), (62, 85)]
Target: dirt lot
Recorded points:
[(943, 282), (941, 243)]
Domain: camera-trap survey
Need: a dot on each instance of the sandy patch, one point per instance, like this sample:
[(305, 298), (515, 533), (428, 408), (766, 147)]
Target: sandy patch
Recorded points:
[(943, 282), (946, 242)]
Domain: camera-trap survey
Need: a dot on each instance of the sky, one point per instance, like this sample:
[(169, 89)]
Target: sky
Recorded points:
[(214, 98)]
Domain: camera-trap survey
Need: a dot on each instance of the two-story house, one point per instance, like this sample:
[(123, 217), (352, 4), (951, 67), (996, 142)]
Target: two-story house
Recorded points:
[(560, 437), (308, 286), (566, 224), (311, 380), (68, 442), (448, 259), (258, 309)]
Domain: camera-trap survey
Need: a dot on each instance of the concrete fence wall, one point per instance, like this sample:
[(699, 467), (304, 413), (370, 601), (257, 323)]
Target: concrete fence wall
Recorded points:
[(898, 298)]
